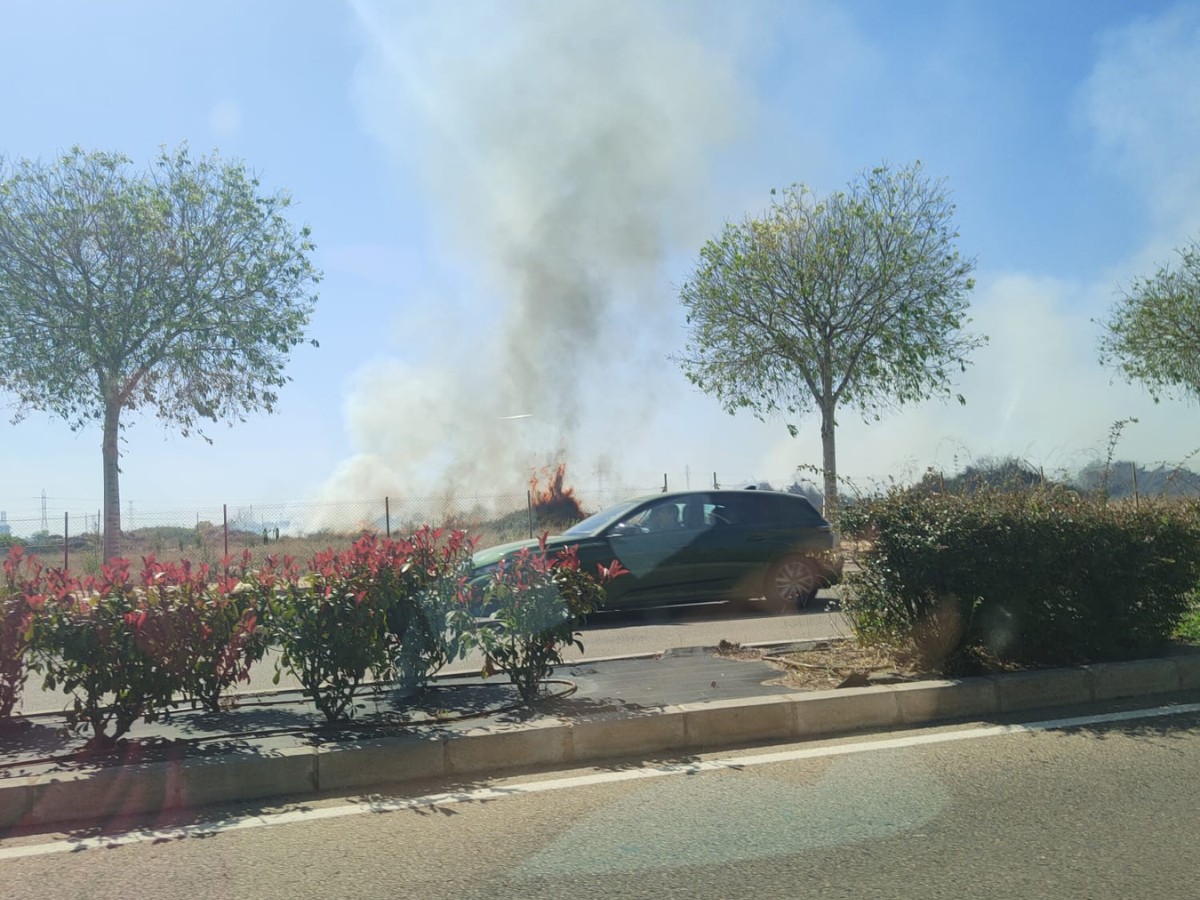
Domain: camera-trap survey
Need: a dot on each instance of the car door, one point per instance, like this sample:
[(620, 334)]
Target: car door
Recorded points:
[(691, 562), (736, 542), (659, 559)]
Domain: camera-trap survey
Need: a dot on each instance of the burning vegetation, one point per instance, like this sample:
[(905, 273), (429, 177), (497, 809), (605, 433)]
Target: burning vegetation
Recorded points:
[(551, 508), (554, 503)]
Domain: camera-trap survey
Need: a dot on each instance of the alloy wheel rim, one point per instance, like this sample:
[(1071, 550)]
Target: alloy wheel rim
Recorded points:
[(795, 579)]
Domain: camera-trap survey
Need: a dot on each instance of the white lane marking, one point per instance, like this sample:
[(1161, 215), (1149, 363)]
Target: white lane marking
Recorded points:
[(147, 835)]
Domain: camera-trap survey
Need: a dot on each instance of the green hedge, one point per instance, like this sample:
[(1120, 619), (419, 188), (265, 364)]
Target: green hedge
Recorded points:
[(1042, 576), (131, 643)]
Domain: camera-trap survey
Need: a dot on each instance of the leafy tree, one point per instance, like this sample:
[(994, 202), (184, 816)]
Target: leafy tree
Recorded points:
[(181, 289), (1153, 332), (858, 299)]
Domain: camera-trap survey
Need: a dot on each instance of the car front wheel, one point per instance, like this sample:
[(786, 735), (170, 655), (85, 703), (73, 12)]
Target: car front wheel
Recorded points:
[(791, 584)]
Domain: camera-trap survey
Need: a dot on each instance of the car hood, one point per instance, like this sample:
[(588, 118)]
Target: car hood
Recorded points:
[(492, 555)]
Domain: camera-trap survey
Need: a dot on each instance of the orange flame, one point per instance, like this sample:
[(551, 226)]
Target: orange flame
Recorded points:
[(554, 501)]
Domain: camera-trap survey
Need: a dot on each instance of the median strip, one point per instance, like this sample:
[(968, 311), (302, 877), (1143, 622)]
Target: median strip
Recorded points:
[(586, 732)]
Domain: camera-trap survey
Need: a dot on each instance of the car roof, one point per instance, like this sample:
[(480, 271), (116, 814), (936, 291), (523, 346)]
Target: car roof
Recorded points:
[(718, 494), (709, 492)]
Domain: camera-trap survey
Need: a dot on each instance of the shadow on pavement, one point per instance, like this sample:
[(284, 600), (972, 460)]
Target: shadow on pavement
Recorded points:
[(1183, 724)]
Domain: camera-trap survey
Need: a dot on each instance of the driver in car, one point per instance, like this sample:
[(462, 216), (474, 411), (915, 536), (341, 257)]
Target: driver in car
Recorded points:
[(663, 518)]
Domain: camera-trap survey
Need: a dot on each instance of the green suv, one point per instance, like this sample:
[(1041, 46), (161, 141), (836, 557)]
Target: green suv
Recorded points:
[(701, 545)]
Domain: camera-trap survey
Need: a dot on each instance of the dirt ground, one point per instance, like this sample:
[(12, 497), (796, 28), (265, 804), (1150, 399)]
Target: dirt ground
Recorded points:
[(831, 664)]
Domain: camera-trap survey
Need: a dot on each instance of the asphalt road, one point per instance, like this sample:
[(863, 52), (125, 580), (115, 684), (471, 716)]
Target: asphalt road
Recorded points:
[(606, 635), (1100, 810)]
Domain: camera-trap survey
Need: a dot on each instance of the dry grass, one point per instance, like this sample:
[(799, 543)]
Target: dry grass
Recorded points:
[(202, 546), (206, 543), (832, 664)]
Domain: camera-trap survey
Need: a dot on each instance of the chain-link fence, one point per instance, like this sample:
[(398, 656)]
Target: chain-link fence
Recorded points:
[(208, 534), (73, 537)]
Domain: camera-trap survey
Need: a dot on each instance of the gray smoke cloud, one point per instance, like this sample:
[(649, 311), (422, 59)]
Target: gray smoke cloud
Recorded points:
[(564, 148), (1142, 103)]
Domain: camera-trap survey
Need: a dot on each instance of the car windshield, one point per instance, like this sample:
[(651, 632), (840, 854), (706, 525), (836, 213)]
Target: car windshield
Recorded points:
[(597, 522)]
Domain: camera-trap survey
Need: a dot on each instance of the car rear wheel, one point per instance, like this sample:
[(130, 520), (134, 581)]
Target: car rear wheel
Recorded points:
[(791, 584)]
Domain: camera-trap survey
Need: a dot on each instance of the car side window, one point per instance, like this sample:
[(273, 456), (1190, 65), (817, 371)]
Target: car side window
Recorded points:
[(716, 514), (664, 517), (657, 518), (750, 508), (634, 523)]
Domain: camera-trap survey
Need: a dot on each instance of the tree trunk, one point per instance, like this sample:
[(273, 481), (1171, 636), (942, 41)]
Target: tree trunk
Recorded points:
[(829, 460), (112, 491)]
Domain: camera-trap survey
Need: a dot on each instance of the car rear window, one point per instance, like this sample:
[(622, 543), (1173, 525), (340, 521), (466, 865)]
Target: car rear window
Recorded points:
[(791, 510), (762, 508)]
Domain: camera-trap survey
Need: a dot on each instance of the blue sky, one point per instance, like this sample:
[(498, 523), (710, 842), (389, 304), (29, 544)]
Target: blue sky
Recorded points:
[(505, 196)]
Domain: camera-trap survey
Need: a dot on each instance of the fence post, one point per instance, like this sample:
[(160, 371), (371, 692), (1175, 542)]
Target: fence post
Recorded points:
[(664, 490), (66, 540), (387, 517), (529, 505), (1133, 468), (225, 529), (716, 487)]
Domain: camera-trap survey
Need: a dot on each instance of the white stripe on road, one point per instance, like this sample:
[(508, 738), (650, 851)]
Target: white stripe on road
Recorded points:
[(557, 784)]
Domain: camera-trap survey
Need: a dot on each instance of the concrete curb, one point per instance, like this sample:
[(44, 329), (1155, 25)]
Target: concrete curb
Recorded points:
[(433, 752)]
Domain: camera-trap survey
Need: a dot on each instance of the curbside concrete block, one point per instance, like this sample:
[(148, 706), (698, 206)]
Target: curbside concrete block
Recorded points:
[(1045, 687), (927, 701), (201, 782), (724, 722), (532, 744), (106, 793), (1188, 668), (1135, 677), (628, 735), (390, 759), (16, 794), (109, 793), (846, 709)]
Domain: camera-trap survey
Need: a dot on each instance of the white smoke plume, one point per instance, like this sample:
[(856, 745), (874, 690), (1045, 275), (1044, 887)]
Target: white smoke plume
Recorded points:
[(564, 148), (1142, 102)]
